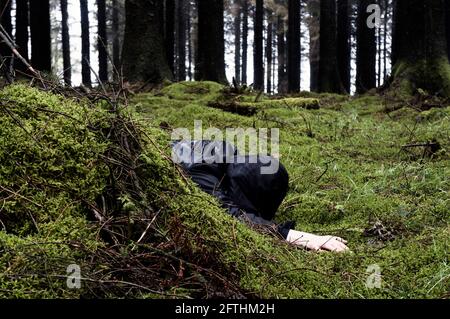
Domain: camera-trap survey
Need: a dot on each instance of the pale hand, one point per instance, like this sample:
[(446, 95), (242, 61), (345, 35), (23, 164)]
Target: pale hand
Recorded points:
[(317, 243)]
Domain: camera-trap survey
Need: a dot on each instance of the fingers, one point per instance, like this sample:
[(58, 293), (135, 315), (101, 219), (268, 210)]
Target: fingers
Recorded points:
[(335, 244), (342, 240)]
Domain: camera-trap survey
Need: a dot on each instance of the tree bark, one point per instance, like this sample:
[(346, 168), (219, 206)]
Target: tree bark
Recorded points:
[(281, 51), (194, 36), (5, 19), (22, 35), (181, 46), (343, 43), (329, 80), (385, 33), (258, 55), (116, 40), (144, 57), (169, 34), (314, 43), (421, 48), (244, 40), (237, 40), (447, 26), (66, 43), (210, 64), (269, 53), (102, 42), (85, 44), (294, 48), (6, 55), (41, 57), (366, 52), (189, 41)]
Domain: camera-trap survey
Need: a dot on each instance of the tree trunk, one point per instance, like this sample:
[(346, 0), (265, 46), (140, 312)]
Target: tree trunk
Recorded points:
[(41, 57), (394, 34), (6, 56), (378, 55), (116, 40), (329, 80), (385, 33), (244, 40), (294, 48), (447, 26), (194, 36), (189, 41), (314, 43), (269, 53), (144, 57), (102, 43), (181, 46), (85, 44), (366, 52), (169, 34), (421, 48), (5, 18), (210, 64), (281, 48), (237, 40), (66, 43), (343, 43), (22, 35), (258, 55)]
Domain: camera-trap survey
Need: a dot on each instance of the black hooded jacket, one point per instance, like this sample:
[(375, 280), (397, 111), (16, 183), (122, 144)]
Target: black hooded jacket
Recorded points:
[(237, 181)]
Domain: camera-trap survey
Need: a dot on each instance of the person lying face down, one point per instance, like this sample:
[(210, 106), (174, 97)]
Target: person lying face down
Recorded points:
[(242, 187)]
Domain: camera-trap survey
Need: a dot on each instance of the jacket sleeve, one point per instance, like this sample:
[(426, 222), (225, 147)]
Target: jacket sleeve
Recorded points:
[(282, 229)]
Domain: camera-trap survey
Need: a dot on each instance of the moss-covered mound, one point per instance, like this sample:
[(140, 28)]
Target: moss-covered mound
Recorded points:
[(50, 168), (82, 186)]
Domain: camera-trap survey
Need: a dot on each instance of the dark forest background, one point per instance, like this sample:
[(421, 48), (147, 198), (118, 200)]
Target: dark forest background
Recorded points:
[(265, 44)]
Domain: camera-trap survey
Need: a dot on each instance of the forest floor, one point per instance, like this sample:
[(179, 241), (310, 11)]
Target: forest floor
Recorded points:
[(378, 179), (356, 171)]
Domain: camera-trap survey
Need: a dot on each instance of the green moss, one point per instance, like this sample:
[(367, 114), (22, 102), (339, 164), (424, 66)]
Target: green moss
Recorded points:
[(50, 165), (289, 103), (347, 175), (351, 174), (187, 91)]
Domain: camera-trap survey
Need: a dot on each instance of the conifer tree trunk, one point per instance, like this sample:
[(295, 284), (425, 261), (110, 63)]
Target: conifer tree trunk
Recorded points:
[(258, 57), (22, 34), (116, 40), (269, 53), (237, 40), (189, 41), (245, 8), (343, 43), (421, 48), (144, 56), (5, 20), (66, 43), (85, 44), (210, 64), (366, 52), (447, 26), (281, 52), (329, 80), (181, 46), (314, 43), (41, 58), (169, 33), (294, 49), (102, 42)]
